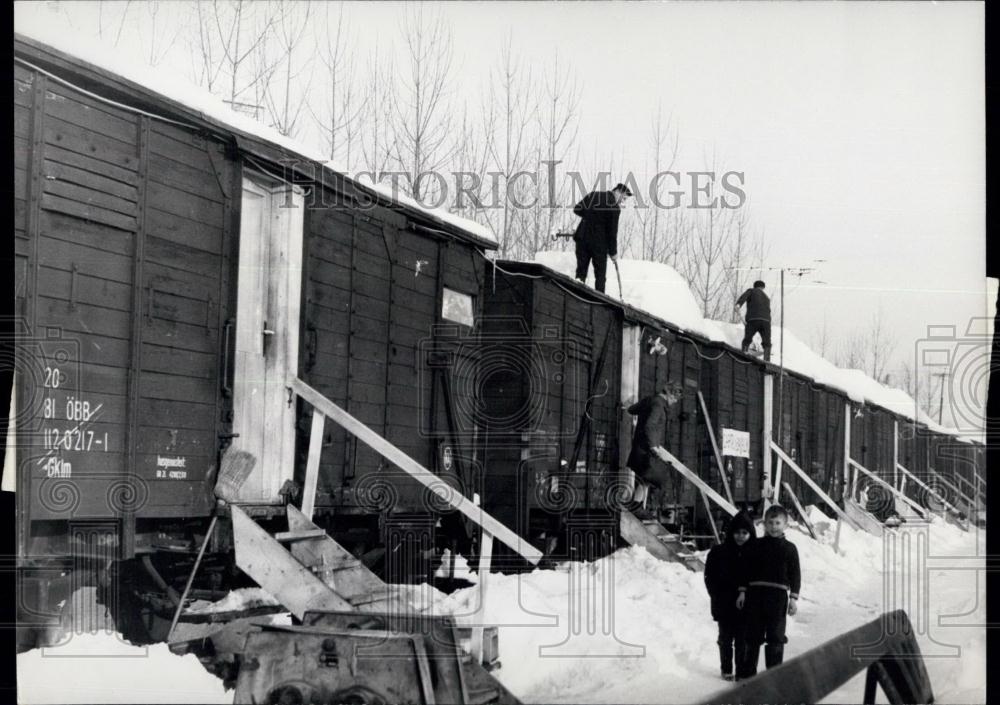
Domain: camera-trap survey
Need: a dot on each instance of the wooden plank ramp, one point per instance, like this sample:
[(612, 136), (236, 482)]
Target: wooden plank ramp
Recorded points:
[(863, 518), (655, 538), (310, 572)]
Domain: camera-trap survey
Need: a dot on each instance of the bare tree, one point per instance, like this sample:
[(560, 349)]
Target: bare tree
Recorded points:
[(282, 61), (226, 37), (558, 126), (919, 384), (745, 248), (340, 121), (511, 101), (655, 242), (471, 162), (376, 123), (703, 262), (881, 346), (159, 34), (422, 119), (868, 349), (820, 339)]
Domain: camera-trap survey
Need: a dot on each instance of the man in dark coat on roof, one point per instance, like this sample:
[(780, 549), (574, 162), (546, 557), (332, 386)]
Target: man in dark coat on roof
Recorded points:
[(650, 432), (596, 236), (758, 318), (725, 565)]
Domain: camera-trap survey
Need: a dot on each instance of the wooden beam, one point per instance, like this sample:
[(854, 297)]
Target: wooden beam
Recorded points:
[(812, 484), (278, 572), (485, 564), (766, 435), (711, 519), (800, 510), (921, 483), (312, 463), (809, 677), (847, 448), (946, 483), (417, 471), (895, 452), (715, 447), (665, 455), (777, 481), (858, 467)]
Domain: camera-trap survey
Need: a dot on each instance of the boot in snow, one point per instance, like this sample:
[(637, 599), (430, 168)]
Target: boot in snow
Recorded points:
[(748, 667), (726, 659), (773, 655)]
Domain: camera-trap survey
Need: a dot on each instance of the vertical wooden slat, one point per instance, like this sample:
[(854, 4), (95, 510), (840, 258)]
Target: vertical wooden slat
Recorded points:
[(138, 323), (777, 481), (766, 437), (312, 463), (485, 564), (34, 196), (847, 448)]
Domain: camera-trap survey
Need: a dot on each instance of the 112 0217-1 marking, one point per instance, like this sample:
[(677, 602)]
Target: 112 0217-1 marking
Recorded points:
[(77, 438)]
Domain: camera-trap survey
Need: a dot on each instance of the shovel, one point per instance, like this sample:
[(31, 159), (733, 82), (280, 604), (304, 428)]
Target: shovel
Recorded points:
[(621, 292)]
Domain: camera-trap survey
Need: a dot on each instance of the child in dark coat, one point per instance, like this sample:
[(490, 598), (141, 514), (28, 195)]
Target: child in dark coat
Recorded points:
[(725, 564), (769, 590)]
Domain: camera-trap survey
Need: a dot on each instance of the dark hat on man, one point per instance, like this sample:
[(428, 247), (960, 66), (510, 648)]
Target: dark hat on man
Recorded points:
[(758, 284), (622, 187)]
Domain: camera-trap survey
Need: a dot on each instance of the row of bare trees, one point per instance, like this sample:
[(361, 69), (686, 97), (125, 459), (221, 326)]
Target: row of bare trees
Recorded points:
[(504, 152)]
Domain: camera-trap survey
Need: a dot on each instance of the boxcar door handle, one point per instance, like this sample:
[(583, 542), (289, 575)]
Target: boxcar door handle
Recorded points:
[(227, 388)]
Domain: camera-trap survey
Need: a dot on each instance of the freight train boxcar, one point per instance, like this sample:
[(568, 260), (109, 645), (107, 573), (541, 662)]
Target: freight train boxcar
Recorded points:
[(174, 268), (550, 386), (809, 426)]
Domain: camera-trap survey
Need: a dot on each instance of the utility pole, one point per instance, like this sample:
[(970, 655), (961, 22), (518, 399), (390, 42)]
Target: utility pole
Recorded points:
[(944, 376), (799, 272)]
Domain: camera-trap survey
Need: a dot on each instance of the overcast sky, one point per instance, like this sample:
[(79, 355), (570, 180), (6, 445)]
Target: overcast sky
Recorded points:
[(859, 127)]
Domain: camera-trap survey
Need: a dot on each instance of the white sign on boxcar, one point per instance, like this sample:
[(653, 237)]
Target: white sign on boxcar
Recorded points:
[(736, 443)]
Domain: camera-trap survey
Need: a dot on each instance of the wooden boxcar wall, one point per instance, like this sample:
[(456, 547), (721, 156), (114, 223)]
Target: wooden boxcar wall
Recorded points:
[(568, 338), (733, 388), (123, 241), (685, 434), (372, 317), (826, 464), (794, 414)]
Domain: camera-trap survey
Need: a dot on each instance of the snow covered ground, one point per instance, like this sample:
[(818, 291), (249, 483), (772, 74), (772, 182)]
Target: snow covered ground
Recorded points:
[(663, 649), (657, 645)]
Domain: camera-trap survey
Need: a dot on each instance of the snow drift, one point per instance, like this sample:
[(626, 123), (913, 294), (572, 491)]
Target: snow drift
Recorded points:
[(657, 644)]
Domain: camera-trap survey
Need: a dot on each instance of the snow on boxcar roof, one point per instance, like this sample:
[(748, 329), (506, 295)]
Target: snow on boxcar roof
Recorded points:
[(53, 30), (661, 291)]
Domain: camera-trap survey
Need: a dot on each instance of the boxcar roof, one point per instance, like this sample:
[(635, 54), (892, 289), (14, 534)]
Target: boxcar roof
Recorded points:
[(88, 68), (637, 315)]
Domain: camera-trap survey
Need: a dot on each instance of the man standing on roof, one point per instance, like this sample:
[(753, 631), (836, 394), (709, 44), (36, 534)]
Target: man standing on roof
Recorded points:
[(758, 318), (596, 236)]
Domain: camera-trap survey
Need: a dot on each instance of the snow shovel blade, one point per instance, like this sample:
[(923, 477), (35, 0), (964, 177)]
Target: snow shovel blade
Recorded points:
[(621, 292), (236, 467)]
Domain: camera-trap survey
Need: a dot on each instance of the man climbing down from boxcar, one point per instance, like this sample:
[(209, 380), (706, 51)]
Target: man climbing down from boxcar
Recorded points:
[(650, 432), (769, 590), (596, 236), (723, 568), (758, 318)]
